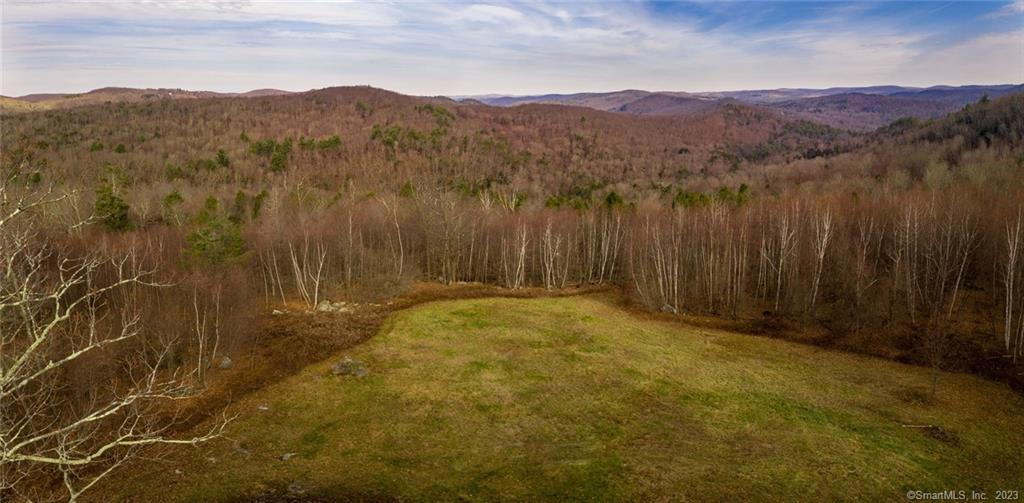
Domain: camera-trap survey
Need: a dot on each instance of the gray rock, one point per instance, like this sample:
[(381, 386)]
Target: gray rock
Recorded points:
[(326, 306), (298, 488), (349, 366), (225, 363), (276, 312), (288, 455), (668, 309)]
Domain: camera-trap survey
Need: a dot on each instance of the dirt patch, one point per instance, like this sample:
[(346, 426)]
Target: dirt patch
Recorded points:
[(299, 492), (936, 432), (914, 396), (942, 435)]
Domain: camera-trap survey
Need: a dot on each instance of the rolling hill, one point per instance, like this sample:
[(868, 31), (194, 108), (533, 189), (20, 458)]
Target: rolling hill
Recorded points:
[(959, 95), (600, 101), (864, 112), (542, 146), (669, 104), (116, 95), (853, 108)]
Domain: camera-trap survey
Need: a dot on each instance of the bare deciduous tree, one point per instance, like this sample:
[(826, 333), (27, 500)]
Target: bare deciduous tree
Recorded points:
[(308, 270), (822, 238), (777, 250), (1013, 322), (398, 250), (58, 311), (864, 266)]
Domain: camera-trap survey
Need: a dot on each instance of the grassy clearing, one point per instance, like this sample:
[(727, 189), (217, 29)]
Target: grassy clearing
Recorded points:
[(571, 398)]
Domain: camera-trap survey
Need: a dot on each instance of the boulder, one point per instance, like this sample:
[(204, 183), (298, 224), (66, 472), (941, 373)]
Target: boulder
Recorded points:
[(326, 306), (298, 488), (350, 367), (225, 363)]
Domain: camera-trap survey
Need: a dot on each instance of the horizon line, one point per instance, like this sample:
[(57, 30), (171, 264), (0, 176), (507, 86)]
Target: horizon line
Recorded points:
[(518, 95)]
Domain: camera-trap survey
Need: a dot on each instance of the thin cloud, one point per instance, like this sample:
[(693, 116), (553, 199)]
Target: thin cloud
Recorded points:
[(505, 47), (1015, 8)]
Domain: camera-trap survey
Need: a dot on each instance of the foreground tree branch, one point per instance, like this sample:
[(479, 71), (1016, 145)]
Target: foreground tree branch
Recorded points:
[(59, 311)]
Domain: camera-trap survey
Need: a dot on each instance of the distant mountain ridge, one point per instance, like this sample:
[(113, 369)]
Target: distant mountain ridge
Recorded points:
[(49, 101), (854, 108)]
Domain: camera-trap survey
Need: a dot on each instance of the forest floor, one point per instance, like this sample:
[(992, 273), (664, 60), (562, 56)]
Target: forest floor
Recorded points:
[(574, 398)]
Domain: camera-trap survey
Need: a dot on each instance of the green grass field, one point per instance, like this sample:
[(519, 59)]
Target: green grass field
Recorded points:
[(574, 399)]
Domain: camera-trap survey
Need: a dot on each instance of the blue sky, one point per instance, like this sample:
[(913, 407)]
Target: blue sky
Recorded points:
[(539, 46)]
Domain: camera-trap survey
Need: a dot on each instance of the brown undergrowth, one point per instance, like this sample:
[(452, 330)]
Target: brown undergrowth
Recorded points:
[(974, 346)]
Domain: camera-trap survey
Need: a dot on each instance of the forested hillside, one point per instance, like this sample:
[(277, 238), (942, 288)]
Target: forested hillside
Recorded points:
[(385, 140), (126, 218)]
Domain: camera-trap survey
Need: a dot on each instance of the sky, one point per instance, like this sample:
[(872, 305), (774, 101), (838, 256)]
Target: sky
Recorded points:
[(531, 47)]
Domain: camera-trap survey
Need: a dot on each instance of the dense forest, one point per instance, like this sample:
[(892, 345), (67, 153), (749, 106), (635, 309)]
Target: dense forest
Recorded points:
[(117, 221)]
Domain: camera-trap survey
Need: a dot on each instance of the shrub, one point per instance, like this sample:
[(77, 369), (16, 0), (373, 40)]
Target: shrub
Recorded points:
[(170, 204), (240, 209), (96, 146), (263, 148), (222, 159), (323, 144), (442, 116), (111, 209), (172, 173), (201, 164), (120, 148), (688, 199), (278, 152), (215, 239), (363, 109), (326, 143), (614, 200), (279, 162), (257, 203)]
